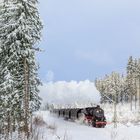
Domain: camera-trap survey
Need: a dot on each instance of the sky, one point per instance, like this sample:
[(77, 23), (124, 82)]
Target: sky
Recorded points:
[(86, 39)]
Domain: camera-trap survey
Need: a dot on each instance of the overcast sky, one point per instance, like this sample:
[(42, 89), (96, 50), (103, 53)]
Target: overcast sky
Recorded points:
[(85, 39)]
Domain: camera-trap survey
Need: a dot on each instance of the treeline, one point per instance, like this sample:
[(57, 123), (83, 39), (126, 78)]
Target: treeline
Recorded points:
[(121, 88), (20, 30)]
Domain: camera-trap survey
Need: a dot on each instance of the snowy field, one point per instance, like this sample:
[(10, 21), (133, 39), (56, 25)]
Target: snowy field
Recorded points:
[(59, 129)]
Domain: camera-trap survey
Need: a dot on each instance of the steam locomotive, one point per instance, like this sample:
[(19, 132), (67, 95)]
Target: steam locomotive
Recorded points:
[(93, 116)]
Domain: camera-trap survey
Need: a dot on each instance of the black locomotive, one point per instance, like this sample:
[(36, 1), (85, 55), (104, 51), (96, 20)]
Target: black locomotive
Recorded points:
[(91, 115)]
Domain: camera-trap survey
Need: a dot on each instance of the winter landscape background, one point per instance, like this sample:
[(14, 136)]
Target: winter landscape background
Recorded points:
[(97, 39), (69, 54)]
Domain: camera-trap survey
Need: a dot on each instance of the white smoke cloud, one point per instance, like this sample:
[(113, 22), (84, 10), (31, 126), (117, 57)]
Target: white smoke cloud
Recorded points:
[(70, 93)]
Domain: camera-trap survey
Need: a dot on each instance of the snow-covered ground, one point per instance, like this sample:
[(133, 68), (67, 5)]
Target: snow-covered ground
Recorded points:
[(64, 94), (59, 129)]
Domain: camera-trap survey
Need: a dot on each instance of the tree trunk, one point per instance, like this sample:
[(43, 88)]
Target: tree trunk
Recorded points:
[(26, 99), (131, 101), (139, 95), (115, 112)]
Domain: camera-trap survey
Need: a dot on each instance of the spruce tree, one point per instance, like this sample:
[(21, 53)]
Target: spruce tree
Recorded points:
[(130, 79), (20, 30), (138, 82), (6, 82)]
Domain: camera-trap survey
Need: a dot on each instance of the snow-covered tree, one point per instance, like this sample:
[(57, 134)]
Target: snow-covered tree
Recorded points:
[(127, 86), (111, 87), (20, 30), (6, 99), (138, 81), (130, 79)]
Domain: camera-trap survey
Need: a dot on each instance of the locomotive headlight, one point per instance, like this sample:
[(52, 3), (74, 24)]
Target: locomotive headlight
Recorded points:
[(97, 111)]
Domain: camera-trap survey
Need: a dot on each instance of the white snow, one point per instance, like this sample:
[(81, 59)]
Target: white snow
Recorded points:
[(124, 113), (66, 130), (70, 93)]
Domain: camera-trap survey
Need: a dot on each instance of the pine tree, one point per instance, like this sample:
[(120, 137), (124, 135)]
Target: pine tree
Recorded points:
[(138, 82), (135, 77), (124, 95), (111, 87), (130, 79), (5, 98), (20, 30)]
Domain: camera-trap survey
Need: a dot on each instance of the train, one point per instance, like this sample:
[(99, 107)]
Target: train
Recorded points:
[(93, 116)]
